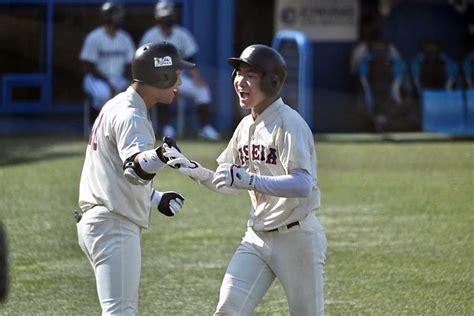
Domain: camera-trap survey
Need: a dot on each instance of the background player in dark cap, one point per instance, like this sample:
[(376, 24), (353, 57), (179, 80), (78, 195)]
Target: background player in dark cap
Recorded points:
[(116, 193), (271, 155), (193, 86), (106, 54)]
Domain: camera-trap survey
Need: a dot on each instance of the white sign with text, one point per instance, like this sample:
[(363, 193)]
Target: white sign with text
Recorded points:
[(320, 20)]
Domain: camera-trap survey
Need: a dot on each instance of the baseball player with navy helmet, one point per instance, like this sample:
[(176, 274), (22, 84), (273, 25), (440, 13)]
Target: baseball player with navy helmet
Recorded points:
[(271, 155), (193, 86), (106, 54), (116, 193)]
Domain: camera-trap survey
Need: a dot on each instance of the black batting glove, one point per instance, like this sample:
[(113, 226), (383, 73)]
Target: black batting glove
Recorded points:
[(171, 142), (171, 203)]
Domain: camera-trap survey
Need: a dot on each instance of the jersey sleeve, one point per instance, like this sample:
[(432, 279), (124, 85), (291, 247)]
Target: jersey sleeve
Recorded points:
[(89, 50), (296, 145), (131, 135)]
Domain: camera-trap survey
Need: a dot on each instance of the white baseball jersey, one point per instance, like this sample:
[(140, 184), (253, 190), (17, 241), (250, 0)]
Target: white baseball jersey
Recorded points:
[(121, 130), (109, 54), (180, 37), (278, 141)]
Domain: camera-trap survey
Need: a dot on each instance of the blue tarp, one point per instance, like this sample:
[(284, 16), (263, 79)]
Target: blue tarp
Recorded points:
[(443, 111)]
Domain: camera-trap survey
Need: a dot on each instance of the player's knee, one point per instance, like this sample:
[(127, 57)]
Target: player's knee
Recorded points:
[(234, 306), (227, 308), (228, 312), (117, 307), (312, 305)]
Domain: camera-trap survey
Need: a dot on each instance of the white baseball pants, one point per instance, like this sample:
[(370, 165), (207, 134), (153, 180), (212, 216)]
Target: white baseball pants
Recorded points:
[(295, 256), (199, 94), (99, 91), (112, 244)]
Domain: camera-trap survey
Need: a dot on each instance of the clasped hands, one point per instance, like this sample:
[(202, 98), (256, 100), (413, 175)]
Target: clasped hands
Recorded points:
[(226, 175), (191, 168)]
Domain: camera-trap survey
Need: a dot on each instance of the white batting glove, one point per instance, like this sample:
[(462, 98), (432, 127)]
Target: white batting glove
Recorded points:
[(231, 175), (186, 166)]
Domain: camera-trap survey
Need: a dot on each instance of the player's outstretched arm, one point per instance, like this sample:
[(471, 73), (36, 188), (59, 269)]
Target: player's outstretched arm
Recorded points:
[(299, 183), (186, 166), (193, 169)]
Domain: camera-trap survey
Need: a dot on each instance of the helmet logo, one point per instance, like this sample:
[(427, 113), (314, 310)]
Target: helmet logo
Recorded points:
[(163, 61)]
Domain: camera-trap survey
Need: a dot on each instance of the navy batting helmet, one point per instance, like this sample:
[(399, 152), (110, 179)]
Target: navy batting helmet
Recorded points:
[(111, 9), (267, 60), (164, 9), (156, 65)]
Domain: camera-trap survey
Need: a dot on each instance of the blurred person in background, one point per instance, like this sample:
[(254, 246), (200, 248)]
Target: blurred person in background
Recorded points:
[(382, 80), (468, 61), (106, 54), (193, 86), (371, 32), (432, 68)]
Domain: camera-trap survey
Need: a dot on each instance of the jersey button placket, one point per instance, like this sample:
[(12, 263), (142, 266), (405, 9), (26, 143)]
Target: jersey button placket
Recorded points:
[(250, 143), (252, 167)]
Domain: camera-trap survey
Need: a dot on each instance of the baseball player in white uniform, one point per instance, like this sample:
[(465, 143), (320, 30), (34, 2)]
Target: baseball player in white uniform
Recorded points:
[(107, 53), (193, 86), (116, 189), (272, 155)]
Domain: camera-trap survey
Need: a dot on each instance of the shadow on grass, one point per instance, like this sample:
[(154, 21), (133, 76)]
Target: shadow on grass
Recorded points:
[(6, 161), (23, 150)]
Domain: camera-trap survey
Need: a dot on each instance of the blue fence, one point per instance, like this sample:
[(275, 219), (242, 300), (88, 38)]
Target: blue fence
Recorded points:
[(296, 48)]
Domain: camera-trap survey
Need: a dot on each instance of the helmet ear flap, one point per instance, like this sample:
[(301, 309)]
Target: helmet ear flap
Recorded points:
[(166, 79), (270, 84)]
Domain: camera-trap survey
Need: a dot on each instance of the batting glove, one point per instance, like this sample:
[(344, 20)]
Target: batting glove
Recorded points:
[(169, 142), (231, 175), (186, 166), (168, 203)]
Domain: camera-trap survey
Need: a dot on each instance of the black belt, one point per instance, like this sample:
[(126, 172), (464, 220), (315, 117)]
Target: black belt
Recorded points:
[(77, 216), (287, 226)]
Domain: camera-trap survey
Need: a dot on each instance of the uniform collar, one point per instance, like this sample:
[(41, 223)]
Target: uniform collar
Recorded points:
[(270, 110), (137, 100)]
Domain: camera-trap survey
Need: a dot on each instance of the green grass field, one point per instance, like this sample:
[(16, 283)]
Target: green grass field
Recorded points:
[(399, 219)]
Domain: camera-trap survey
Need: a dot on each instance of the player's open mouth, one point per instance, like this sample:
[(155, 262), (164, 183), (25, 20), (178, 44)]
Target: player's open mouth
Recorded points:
[(244, 95)]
